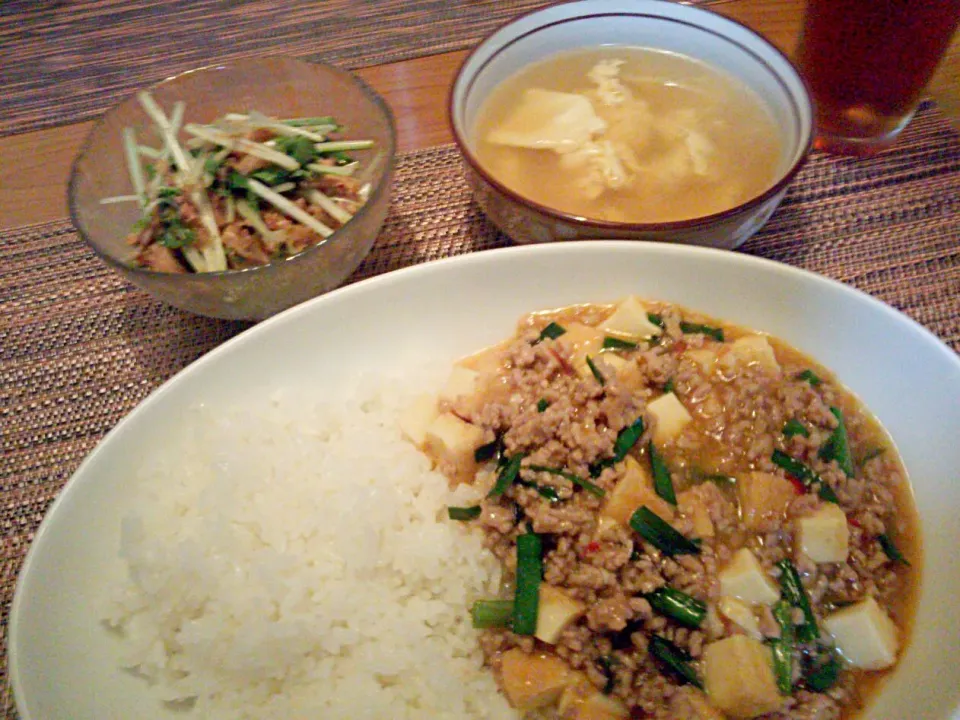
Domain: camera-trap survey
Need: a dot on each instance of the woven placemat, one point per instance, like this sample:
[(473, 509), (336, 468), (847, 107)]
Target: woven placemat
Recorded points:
[(66, 61), (79, 348)]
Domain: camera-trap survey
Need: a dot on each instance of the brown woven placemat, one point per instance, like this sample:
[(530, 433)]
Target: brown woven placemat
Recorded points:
[(79, 348), (65, 62)]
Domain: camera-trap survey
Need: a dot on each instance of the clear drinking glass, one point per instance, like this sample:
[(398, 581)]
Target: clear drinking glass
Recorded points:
[(867, 63)]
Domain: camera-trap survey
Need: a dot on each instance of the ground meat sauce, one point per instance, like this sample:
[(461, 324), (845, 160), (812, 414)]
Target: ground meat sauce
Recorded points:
[(560, 394)]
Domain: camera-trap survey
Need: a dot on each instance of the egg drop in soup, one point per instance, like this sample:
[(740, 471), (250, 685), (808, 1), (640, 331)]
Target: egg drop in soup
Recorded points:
[(628, 135)]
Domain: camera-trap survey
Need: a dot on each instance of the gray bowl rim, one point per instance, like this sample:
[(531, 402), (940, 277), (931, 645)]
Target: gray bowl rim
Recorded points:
[(231, 66), (626, 227)]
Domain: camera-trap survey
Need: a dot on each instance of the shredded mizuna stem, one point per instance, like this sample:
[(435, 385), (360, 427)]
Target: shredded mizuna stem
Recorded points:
[(334, 210), (133, 165), (122, 199), (288, 208), (252, 216), (335, 145), (333, 169), (217, 137)]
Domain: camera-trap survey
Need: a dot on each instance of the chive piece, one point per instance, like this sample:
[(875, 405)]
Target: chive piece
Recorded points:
[(543, 491), (463, 513), (679, 606), (870, 455), (891, 550), (795, 427), (542, 405), (551, 331), (783, 647), (675, 660), (529, 573), (804, 474), (825, 672), (606, 663), (491, 613), (837, 446), (809, 376), (659, 533), (488, 451), (662, 482), (508, 473), (796, 595), (575, 479), (669, 386), (612, 343), (596, 373), (698, 329), (626, 439), (656, 319)]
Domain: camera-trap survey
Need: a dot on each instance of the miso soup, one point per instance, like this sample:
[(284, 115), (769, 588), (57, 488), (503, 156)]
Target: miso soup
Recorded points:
[(628, 134)]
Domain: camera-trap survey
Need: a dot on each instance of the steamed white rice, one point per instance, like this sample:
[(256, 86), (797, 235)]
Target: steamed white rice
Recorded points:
[(292, 559)]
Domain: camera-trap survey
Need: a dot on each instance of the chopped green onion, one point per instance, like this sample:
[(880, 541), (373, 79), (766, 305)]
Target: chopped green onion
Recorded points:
[(463, 513), (626, 439), (891, 550), (699, 329), (575, 479), (612, 343), (795, 594), (551, 331), (795, 427), (311, 121), (542, 405), (679, 606), (804, 474), (809, 376), (824, 673), (598, 376), (870, 455), (783, 647), (669, 386), (529, 574), (491, 613), (659, 533), (662, 482), (656, 319), (837, 446), (489, 450), (508, 473), (607, 663), (675, 660)]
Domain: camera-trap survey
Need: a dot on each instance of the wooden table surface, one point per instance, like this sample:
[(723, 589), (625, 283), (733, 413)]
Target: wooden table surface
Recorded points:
[(35, 166)]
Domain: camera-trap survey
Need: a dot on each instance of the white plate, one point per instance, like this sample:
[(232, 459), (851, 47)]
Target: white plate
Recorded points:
[(63, 664)]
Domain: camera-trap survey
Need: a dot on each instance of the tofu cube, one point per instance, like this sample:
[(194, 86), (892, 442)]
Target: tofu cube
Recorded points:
[(671, 417), (764, 499), (738, 677), (865, 635), (824, 536), (745, 579), (461, 382), (533, 681), (704, 358), (754, 350), (635, 488), (582, 341), (692, 505), (739, 612), (555, 611), (415, 419), (452, 442), (630, 321)]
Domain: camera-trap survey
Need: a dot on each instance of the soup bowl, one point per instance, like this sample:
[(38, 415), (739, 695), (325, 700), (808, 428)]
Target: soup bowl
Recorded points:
[(717, 42)]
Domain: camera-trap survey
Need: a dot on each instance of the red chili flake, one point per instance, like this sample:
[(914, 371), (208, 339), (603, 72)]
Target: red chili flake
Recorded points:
[(680, 346), (798, 486), (567, 367), (854, 522), (592, 547)]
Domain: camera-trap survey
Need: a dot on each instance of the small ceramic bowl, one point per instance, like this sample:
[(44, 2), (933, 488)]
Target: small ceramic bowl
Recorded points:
[(274, 86), (658, 24)]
